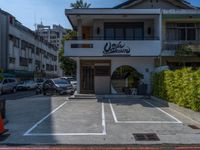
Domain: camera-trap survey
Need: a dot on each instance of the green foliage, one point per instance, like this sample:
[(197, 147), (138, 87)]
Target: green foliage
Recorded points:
[(80, 4), (181, 87), (67, 64), (184, 50)]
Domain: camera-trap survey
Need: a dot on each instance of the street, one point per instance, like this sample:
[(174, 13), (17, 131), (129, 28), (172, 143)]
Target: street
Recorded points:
[(17, 95)]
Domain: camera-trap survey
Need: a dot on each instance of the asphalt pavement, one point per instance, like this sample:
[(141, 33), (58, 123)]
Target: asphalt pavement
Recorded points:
[(18, 95)]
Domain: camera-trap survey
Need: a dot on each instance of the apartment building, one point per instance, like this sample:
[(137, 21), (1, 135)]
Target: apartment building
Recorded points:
[(54, 36), (24, 54), (119, 48)]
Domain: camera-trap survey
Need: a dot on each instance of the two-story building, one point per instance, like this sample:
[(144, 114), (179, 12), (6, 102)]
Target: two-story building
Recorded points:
[(118, 48)]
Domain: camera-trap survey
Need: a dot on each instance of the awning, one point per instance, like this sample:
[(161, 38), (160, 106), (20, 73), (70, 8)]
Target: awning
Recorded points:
[(21, 73)]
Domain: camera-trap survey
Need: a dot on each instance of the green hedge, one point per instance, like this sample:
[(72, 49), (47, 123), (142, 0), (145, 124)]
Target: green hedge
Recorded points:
[(181, 87)]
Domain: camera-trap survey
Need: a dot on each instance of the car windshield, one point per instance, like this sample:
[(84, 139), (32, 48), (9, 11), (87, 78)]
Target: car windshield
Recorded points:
[(71, 79), (60, 81)]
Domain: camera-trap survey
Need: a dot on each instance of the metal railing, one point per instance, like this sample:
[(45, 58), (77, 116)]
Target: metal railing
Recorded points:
[(175, 45), (142, 38)]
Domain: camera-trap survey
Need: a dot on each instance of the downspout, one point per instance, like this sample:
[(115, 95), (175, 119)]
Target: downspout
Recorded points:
[(161, 41)]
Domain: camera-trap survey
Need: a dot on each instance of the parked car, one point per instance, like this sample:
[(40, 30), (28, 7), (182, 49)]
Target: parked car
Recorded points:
[(72, 81), (39, 89), (27, 85), (8, 85), (57, 86), (40, 81)]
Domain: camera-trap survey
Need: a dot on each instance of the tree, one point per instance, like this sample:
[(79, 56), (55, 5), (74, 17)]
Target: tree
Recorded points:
[(182, 52), (67, 64), (80, 4)]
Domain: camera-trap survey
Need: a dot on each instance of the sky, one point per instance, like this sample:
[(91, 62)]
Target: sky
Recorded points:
[(49, 12)]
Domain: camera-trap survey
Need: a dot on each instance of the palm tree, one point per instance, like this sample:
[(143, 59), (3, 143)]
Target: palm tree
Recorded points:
[(80, 4)]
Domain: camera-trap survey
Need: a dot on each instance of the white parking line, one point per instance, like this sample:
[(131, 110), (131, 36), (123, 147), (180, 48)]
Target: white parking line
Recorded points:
[(43, 119), (28, 133), (178, 121), (145, 122)]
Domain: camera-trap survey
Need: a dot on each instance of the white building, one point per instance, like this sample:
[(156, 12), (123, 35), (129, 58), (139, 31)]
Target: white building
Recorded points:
[(23, 53), (54, 36), (113, 44)]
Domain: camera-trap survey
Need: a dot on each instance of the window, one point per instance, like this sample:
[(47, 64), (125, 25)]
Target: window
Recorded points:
[(11, 80), (37, 51), (23, 61), (182, 31), (16, 42), (109, 33), (119, 33), (11, 60), (129, 33), (5, 81), (124, 31), (102, 71)]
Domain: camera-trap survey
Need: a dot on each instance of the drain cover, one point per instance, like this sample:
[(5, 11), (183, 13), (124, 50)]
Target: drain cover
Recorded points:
[(194, 127), (146, 137)]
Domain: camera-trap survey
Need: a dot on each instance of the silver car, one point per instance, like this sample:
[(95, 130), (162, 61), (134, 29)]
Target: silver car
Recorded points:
[(8, 85)]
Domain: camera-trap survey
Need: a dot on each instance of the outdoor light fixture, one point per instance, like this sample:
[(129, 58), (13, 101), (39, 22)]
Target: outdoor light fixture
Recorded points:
[(149, 31), (98, 30)]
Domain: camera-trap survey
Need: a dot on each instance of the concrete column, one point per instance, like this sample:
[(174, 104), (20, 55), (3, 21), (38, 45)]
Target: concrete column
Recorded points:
[(78, 75), (79, 33), (160, 25)]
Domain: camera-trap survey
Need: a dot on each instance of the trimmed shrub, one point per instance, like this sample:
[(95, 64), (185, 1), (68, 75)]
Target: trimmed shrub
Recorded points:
[(181, 87)]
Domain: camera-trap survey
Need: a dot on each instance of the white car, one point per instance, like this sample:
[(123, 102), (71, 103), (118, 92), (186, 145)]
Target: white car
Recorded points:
[(72, 80), (8, 85), (27, 85)]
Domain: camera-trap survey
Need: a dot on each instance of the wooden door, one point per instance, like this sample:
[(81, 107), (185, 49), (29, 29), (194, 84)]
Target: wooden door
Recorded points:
[(87, 79)]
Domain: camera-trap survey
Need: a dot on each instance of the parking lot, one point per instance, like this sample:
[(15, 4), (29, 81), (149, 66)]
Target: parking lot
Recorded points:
[(57, 120)]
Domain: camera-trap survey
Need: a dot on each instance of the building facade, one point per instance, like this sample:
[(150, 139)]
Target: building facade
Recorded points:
[(120, 48), (24, 54), (54, 36)]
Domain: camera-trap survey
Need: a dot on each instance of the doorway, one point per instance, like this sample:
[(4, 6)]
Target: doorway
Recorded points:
[(92, 73)]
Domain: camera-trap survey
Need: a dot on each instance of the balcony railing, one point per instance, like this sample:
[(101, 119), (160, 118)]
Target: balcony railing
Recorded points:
[(175, 45), (102, 47), (140, 38), (170, 47)]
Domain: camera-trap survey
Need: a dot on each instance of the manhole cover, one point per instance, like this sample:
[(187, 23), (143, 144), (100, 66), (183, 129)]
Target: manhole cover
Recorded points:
[(146, 137), (194, 127)]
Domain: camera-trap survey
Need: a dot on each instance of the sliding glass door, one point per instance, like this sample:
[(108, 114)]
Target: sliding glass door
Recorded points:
[(124, 31)]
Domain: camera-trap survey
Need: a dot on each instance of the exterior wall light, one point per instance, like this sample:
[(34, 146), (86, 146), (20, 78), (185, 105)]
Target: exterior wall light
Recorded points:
[(98, 30)]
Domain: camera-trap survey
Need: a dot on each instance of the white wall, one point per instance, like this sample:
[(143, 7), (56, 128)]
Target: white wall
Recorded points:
[(138, 48), (139, 63), (17, 52)]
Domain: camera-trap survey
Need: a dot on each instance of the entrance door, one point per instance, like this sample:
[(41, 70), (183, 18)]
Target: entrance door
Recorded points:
[(87, 79), (86, 33)]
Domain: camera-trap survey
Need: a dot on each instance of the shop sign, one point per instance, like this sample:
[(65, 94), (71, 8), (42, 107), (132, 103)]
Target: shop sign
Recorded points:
[(119, 48)]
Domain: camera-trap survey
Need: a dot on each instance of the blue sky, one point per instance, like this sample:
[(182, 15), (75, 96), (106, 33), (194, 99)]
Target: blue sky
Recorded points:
[(51, 12)]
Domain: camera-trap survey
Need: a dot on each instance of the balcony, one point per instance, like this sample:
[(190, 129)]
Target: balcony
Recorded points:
[(170, 47), (100, 47)]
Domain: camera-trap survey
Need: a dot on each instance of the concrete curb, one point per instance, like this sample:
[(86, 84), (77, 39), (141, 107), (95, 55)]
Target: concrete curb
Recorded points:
[(187, 112)]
